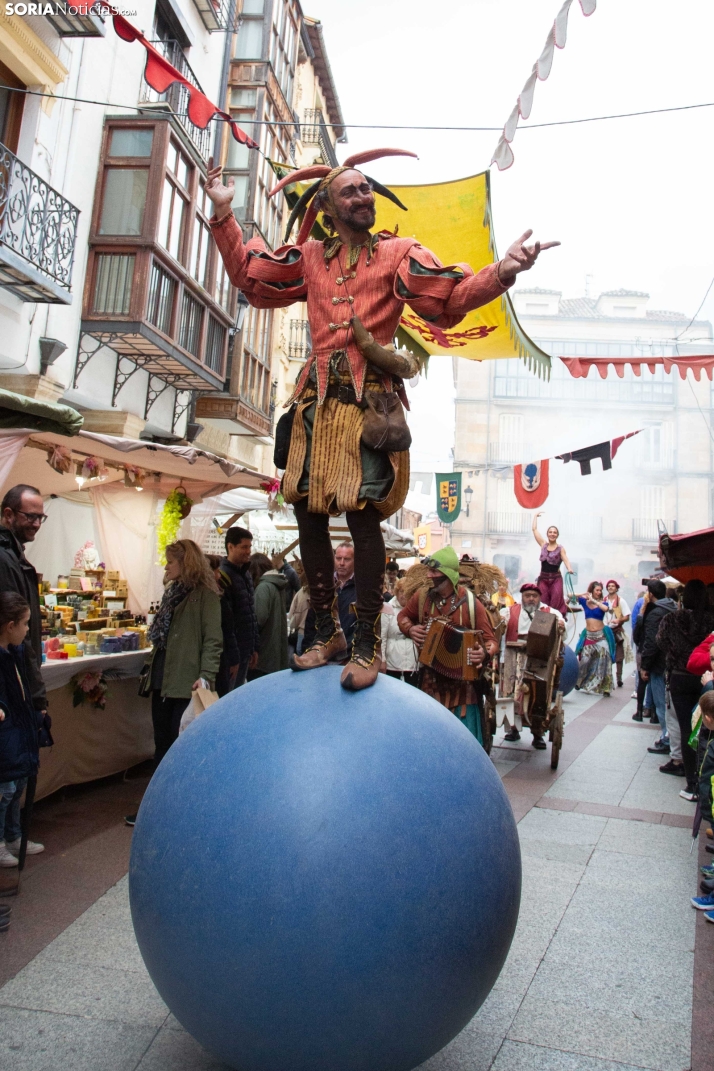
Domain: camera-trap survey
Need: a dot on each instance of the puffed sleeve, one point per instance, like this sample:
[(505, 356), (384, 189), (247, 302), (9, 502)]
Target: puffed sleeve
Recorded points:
[(268, 280), (443, 295), (409, 615)]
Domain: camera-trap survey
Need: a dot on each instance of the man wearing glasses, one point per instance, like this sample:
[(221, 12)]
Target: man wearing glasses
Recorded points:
[(22, 513)]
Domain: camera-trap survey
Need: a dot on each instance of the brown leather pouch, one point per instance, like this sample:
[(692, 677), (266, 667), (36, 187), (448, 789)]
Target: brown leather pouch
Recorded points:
[(385, 426)]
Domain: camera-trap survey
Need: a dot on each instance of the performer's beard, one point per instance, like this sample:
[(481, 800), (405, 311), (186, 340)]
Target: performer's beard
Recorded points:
[(359, 218)]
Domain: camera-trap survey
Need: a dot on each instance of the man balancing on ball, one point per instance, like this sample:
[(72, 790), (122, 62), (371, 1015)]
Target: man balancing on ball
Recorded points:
[(356, 284)]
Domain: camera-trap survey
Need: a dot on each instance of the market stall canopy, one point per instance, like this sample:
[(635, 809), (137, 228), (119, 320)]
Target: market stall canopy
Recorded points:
[(18, 411), (689, 556), (579, 367), (160, 467)]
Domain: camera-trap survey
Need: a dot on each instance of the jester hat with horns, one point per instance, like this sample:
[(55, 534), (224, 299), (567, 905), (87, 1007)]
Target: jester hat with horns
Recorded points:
[(325, 176)]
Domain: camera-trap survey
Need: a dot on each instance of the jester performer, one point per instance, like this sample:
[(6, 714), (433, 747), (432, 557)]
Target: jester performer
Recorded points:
[(356, 284)]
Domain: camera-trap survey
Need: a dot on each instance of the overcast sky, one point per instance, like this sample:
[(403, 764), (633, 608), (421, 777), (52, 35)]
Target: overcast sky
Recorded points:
[(628, 198)]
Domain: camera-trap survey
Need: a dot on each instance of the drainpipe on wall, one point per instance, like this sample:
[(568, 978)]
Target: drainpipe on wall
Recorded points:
[(223, 88), (486, 470)]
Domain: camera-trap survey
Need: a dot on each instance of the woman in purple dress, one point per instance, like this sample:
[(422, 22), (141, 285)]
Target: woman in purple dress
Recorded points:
[(550, 581)]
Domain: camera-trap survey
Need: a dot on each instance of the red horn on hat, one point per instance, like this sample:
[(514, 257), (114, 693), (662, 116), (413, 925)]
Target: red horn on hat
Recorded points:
[(301, 175), (307, 224), (375, 154)]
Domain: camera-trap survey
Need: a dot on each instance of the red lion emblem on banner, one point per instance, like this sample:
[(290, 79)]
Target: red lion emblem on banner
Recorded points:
[(449, 341)]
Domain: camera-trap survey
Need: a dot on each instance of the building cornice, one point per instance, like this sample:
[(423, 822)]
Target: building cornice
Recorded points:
[(27, 55)]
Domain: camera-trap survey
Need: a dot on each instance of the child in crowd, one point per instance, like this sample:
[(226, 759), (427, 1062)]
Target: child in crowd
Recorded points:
[(19, 726), (706, 785)]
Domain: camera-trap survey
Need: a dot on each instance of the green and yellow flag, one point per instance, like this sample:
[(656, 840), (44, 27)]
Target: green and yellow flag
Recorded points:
[(453, 219), (448, 496)]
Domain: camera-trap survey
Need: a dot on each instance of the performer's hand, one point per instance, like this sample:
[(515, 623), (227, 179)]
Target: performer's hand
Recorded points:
[(253, 660), (222, 196), (561, 626), (519, 257), (475, 656), (707, 678), (644, 675), (418, 634)]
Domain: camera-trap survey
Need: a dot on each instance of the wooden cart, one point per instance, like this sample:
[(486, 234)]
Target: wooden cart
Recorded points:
[(533, 669)]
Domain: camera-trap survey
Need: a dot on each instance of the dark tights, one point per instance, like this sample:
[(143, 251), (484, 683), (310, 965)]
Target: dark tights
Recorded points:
[(166, 716), (684, 691), (319, 561)]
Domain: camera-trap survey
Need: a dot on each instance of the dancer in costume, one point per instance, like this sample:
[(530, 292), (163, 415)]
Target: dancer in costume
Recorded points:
[(356, 284), (552, 555), (617, 617), (447, 599), (519, 619), (596, 646)]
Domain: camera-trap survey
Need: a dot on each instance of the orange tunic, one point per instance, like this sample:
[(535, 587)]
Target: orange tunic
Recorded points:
[(395, 272)]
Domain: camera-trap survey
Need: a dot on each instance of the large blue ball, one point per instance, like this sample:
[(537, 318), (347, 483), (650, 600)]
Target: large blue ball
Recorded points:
[(325, 879), (569, 672)]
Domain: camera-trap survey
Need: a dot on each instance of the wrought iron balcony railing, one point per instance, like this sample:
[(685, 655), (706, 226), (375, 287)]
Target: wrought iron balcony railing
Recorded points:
[(38, 232), (645, 530), (510, 523), (176, 96), (215, 14), (299, 343), (314, 132)]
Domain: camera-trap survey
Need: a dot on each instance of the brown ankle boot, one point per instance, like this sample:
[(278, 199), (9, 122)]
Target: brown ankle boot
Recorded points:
[(329, 643), (363, 667)]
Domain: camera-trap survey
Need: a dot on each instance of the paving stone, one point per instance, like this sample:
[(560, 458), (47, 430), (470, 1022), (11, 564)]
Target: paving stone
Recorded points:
[(175, 1050), (661, 1045), (517, 1056), (95, 992), (42, 1041), (660, 842), (471, 1050)]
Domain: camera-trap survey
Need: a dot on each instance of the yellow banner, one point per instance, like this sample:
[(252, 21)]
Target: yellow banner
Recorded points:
[(453, 219)]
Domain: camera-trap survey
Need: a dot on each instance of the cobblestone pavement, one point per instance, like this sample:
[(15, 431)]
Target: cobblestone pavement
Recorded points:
[(599, 977)]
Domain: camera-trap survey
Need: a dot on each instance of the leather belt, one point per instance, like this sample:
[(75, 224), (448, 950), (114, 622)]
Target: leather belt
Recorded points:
[(344, 394)]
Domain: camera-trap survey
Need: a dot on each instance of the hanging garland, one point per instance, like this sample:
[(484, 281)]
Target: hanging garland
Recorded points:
[(176, 508)]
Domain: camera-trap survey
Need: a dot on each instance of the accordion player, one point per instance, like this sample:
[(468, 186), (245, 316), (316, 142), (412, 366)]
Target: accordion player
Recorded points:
[(446, 650)]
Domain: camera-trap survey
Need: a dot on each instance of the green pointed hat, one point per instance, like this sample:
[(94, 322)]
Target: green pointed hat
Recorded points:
[(446, 561)]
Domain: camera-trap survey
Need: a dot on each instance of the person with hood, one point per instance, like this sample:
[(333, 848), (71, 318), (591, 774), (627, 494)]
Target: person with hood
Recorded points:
[(271, 589), (447, 599), (652, 659)]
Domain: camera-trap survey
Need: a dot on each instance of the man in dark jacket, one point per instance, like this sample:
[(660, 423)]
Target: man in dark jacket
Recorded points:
[(346, 595), (22, 513), (237, 585), (652, 660)]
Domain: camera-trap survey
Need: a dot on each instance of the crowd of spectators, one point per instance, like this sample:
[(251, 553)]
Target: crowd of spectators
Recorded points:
[(674, 639)]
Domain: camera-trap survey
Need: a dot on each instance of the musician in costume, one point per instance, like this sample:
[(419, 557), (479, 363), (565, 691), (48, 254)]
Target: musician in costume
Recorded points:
[(356, 284), (617, 618), (519, 619), (449, 600)]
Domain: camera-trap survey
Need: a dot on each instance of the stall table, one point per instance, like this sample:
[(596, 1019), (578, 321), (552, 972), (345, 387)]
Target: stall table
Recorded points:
[(93, 743)]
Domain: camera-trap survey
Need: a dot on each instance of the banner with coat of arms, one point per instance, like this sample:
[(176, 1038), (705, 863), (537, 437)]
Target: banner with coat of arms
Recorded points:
[(448, 496)]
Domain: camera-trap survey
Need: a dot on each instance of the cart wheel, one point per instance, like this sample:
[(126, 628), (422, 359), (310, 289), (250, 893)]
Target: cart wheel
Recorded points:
[(554, 756)]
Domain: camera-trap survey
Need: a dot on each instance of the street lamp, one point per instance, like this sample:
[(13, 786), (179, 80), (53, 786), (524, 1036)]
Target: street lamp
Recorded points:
[(468, 492)]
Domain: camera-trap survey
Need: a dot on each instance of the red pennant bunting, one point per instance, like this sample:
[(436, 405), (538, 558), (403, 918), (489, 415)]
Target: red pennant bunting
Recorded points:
[(160, 74), (530, 483)]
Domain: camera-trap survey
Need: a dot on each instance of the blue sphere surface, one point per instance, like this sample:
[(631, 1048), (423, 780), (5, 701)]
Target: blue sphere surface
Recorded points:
[(323, 879), (569, 672)]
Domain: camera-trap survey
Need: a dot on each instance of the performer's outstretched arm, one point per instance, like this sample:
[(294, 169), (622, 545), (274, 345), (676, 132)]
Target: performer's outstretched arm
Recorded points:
[(268, 281)]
